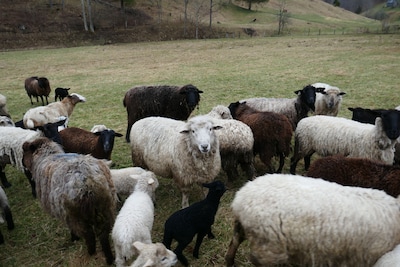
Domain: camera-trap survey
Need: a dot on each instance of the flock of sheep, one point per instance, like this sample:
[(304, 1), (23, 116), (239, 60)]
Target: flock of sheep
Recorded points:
[(347, 215)]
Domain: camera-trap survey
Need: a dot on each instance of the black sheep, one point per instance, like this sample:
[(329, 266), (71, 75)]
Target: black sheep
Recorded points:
[(163, 100), (38, 87), (60, 93), (198, 218)]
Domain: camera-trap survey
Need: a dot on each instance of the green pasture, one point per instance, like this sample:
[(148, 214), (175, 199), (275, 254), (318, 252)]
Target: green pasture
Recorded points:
[(366, 67)]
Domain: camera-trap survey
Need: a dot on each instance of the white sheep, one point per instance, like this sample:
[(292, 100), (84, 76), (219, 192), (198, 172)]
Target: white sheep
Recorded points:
[(134, 221), (328, 101), (188, 151), (328, 136), (235, 143), (98, 128), (5, 213), (125, 179), (390, 259), (304, 221), (3, 108), (153, 255), (6, 122), (52, 112)]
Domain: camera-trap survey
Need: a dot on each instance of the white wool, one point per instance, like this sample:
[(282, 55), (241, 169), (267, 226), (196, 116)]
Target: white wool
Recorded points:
[(153, 255), (124, 183), (6, 122), (291, 219), (390, 259), (328, 104), (98, 128), (3, 203)]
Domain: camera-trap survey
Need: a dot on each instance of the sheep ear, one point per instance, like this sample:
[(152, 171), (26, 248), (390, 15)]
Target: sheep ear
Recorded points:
[(138, 245), (217, 127), (118, 135), (342, 93), (298, 92), (149, 263), (97, 133), (199, 91), (151, 181), (184, 132)]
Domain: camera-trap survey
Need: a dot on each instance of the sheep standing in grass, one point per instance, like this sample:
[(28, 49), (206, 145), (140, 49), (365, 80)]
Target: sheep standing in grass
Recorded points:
[(188, 151), (3, 108), (328, 136), (173, 102), (235, 143), (76, 189), (153, 255), (328, 101), (196, 219), (272, 133), (51, 113), (294, 109), (135, 219), (38, 87), (303, 221), (5, 213), (60, 93)]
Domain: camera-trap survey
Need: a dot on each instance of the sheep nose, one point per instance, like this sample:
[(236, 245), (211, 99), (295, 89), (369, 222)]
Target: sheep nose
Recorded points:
[(204, 148)]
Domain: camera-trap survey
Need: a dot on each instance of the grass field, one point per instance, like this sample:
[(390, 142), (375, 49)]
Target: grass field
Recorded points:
[(366, 67)]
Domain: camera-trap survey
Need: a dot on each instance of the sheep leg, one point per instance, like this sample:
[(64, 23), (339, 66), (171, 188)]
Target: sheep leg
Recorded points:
[(307, 161), (185, 198), (90, 240), (281, 162), (199, 240), (106, 247), (74, 237), (9, 218), (3, 178), (178, 251), (28, 175), (237, 239), (1, 238)]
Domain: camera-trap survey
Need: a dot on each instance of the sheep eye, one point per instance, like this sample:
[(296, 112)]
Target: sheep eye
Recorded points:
[(164, 259)]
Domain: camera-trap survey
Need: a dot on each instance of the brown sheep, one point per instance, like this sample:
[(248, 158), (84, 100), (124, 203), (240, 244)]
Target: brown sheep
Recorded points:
[(272, 133), (38, 87), (76, 189)]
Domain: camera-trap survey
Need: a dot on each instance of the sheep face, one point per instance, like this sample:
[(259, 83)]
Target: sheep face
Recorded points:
[(6, 122), (391, 123), (107, 139), (332, 97), (200, 132), (156, 255), (308, 94), (192, 95)]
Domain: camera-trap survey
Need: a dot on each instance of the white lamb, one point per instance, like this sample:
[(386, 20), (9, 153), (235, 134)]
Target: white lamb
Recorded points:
[(134, 221), (304, 221), (125, 179), (390, 259), (52, 112), (328, 102), (188, 151), (153, 255), (235, 143), (328, 136)]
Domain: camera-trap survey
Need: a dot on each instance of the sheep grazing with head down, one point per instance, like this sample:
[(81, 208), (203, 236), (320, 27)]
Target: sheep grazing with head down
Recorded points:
[(135, 219), (38, 87), (294, 109), (173, 102), (52, 112), (61, 93), (196, 219), (235, 143), (272, 133), (328, 136), (3, 108), (76, 189), (328, 101), (188, 151), (153, 255), (5, 213), (302, 221)]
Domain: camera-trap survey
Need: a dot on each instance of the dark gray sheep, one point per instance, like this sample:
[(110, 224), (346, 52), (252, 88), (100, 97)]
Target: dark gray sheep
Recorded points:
[(5, 212), (38, 87), (161, 100)]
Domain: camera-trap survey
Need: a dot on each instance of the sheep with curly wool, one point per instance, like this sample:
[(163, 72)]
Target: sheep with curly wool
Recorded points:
[(5, 213), (125, 179), (52, 112), (135, 219), (188, 151), (328, 136), (153, 255), (328, 101), (302, 221), (235, 143), (76, 189), (38, 87), (196, 219), (98, 144), (272, 133), (3, 108), (6, 122), (294, 109)]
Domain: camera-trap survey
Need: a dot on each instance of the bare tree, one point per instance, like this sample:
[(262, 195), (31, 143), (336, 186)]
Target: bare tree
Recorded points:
[(186, 2), (84, 15), (283, 16), (89, 8)]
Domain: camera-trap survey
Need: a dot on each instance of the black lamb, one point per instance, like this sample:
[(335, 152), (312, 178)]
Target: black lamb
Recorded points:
[(198, 218), (60, 93)]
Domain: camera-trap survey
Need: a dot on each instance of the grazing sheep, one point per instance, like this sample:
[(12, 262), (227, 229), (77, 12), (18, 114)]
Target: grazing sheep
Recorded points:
[(294, 109), (6, 122), (196, 219), (173, 102), (153, 255), (61, 93), (272, 133), (3, 108), (328, 101), (188, 151), (328, 136), (357, 172), (235, 143), (135, 219), (390, 259), (304, 221), (76, 189), (98, 144), (5, 213), (125, 179), (38, 87), (51, 113), (11, 141)]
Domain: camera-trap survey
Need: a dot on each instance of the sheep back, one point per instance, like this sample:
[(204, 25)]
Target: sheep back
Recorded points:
[(314, 222)]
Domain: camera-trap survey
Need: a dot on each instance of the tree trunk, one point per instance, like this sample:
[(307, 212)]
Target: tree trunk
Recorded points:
[(89, 3), (211, 7), (84, 15), (185, 18), (250, 5)]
